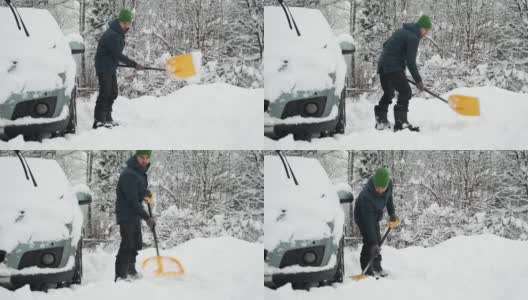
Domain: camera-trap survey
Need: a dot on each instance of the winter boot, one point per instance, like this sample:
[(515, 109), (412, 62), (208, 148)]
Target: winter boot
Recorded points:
[(380, 112), (377, 270), (97, 124), (132, 272), (400, 118), (110, 120)]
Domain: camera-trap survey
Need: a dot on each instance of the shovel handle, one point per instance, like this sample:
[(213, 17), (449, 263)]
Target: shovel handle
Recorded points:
[(428, 91), (146, 68), (154, 231), (373, 257)]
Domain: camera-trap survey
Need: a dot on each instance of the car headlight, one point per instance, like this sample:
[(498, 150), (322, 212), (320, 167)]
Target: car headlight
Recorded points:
[(41, 109), (311, 108), (309, 257), (47, 259)]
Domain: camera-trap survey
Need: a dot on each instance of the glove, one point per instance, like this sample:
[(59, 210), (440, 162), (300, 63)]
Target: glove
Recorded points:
[(148, 197), (420, 86), (394, 221), (151, 222), (140, 67), (375, 250)]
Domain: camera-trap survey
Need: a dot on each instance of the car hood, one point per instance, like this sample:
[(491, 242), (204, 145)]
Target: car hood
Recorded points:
[(310, 62), (40, 62), (305, 212), (47, 212), (26, 225)]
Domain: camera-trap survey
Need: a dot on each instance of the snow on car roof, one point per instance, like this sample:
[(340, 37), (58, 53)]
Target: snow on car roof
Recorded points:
[(296, 213), (29, 212), (33, 63), (300, 63)]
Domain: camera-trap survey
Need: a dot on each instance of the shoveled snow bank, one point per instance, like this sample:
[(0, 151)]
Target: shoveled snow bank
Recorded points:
[(216, 268), (215, 116), (484, 267), (501, 125)]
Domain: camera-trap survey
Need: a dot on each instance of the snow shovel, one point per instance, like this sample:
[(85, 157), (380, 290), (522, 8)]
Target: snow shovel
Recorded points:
[(183, 66), (163, 265), (363, 275), (461, 104)]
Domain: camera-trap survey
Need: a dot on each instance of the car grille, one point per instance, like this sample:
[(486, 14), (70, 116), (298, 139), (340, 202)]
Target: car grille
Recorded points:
[(295, 257), (296, 108), (32, 258), (2, 255), (27, 108)]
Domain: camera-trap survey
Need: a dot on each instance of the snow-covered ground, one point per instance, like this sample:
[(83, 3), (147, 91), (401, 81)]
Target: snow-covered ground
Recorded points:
[(465, 267), (209, 116), (216, 268), (501, 125)]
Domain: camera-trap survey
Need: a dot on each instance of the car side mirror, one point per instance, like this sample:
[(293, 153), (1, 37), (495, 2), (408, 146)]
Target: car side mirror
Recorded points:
[(83, 194), (84, 198), (76, 43), (346, 43), (344, 192)]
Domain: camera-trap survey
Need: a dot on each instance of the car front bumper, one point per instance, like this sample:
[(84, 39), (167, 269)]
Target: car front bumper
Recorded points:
[(277, 280), (39, 279), (278, 131), (33, 129)]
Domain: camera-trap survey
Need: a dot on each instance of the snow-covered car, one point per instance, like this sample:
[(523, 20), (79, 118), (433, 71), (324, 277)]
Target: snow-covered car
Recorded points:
[(303, 223), (40, 224), (38, 76), (304, 76)]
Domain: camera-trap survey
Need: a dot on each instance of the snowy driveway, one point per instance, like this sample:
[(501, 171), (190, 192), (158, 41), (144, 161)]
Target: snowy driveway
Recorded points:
[(210, 116), (484, 267), (501, 125), (216, 268)]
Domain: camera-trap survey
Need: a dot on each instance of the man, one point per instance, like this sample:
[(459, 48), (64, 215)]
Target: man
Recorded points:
[(132, 189), (398, 51), (108, 55), (368, 211)]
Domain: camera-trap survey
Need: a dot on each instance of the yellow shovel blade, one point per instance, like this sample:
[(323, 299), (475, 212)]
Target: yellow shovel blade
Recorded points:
[(163, 266), (359, 277), (465, 105), (181, 66)]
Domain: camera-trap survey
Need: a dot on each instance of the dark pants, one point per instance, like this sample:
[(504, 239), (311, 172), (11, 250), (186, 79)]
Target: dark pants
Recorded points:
[(131, 242), (106, 98), (395, 81), (366, 251)]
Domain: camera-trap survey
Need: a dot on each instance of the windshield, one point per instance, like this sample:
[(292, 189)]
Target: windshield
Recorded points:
[(45, 32), (19, 192)]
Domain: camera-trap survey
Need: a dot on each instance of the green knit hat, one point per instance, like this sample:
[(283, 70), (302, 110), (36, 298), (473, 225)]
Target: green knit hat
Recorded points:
[(125, 15), (144, 152), (381, 177), (425, 22)]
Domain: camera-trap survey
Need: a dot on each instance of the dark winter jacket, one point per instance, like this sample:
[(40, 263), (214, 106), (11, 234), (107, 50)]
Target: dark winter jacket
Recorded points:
[(368, 210), (400, 50), (110, 50), (131, 190)]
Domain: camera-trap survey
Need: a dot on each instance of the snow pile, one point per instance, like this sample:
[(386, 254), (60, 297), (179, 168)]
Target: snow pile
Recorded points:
[(40, 62), (484, 267), (312, 61), (215, 116), (34, 214), (216, 268), (500, 125), (302, 212)]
